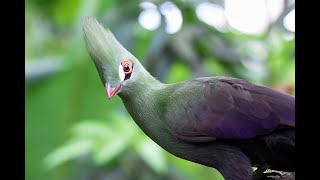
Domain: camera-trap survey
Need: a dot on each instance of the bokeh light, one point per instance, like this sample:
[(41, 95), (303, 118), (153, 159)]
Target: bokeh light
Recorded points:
[(150, 17), (212, 14), (289, 21)]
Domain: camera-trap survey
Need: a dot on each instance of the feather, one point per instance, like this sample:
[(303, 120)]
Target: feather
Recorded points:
[(103, 48), (227, 108)]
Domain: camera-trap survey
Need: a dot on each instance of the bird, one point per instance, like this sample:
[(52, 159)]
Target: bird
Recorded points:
[(225, 123)]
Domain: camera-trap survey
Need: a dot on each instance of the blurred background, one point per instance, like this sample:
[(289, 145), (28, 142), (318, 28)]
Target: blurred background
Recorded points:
[(74, 132)]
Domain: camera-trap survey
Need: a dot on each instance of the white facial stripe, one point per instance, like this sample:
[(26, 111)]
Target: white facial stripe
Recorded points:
[(121, 73)]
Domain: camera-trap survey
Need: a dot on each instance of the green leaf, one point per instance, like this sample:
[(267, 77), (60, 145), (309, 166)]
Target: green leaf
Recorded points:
[(66, 153), (106, 151), (100, 137), (92, 129), (153, 155)]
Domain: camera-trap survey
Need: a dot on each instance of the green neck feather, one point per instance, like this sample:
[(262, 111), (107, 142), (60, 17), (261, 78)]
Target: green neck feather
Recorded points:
[(145, 100)]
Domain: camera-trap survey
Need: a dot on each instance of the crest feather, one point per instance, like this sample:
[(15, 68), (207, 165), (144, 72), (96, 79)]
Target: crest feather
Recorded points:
[(103, 47)]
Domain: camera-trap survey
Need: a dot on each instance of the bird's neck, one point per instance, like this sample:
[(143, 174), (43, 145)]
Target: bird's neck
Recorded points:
[(145, 102), (142, 86)]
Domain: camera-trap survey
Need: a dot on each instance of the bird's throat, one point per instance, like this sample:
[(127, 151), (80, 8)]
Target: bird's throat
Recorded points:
[(145, 104)]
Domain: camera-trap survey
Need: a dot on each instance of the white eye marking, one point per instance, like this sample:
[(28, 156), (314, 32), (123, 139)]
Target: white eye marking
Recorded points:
[(121, 73)]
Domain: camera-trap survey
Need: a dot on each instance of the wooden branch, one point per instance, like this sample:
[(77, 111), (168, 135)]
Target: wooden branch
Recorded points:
[(285, 175)]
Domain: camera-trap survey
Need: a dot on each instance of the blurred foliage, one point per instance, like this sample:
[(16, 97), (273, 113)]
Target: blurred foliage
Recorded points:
[(74, 132)]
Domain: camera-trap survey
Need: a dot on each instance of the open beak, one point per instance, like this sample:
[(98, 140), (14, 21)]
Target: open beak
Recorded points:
[(111, 91)]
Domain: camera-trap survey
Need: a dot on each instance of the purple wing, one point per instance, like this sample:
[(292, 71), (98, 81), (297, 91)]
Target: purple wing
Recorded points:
[(228, 108)]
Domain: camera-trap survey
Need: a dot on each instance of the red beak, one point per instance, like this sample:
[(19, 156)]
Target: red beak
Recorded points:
[(112, 91)]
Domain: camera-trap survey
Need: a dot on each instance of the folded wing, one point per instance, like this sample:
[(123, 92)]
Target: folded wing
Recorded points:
[(207, 109)]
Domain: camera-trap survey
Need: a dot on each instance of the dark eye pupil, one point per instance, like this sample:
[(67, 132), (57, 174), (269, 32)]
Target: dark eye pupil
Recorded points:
[(126, 67)]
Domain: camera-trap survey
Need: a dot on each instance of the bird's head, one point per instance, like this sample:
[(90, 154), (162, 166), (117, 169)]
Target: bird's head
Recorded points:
[(116, 66)]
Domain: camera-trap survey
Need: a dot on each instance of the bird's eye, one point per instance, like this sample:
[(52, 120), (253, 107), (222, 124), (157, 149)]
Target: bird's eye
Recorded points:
[(127, 66)]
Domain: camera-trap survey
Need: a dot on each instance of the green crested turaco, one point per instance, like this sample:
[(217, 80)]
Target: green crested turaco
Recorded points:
[(221, 122)]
